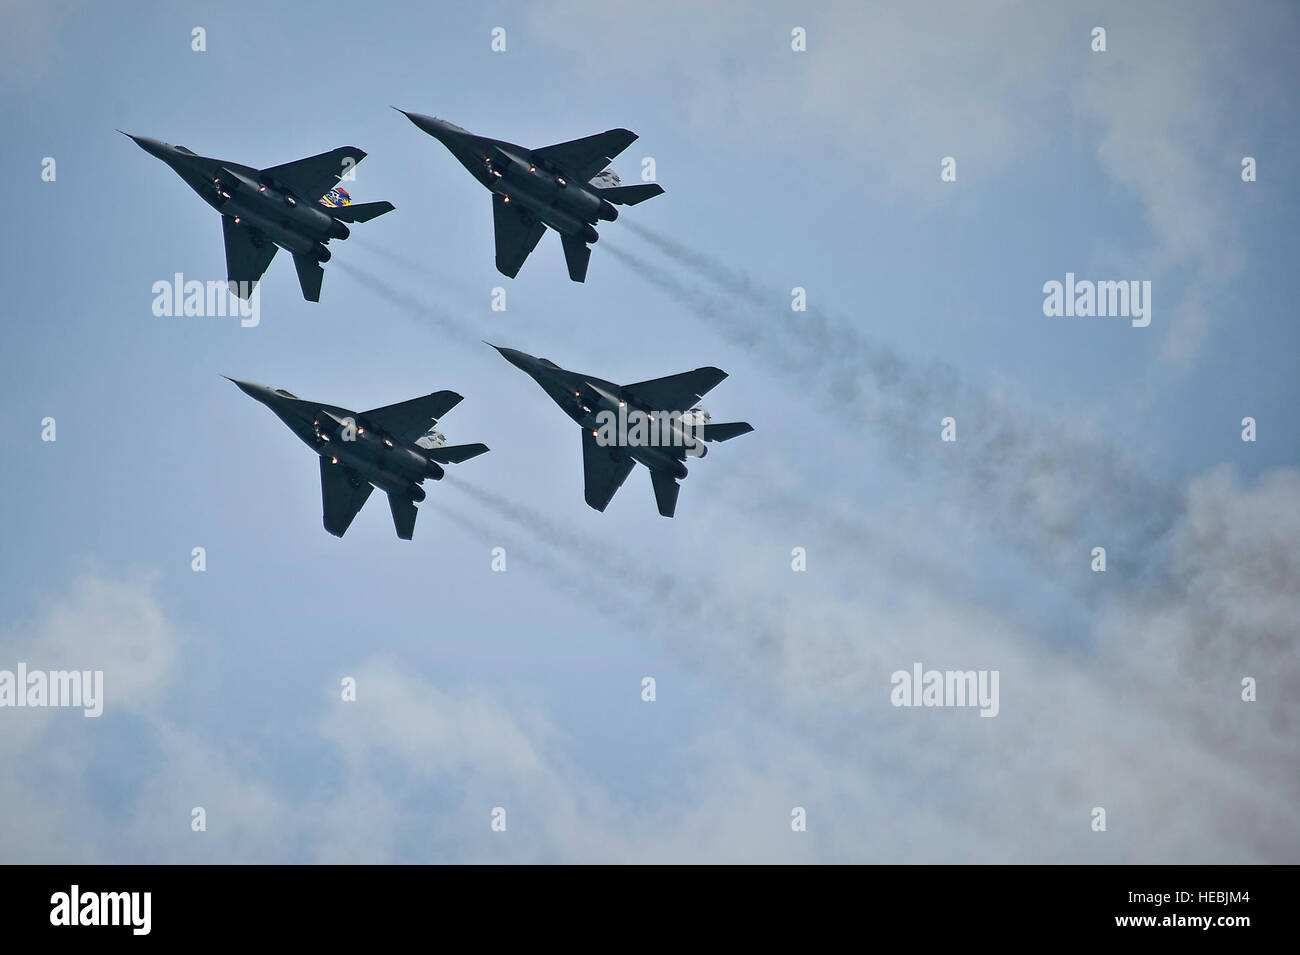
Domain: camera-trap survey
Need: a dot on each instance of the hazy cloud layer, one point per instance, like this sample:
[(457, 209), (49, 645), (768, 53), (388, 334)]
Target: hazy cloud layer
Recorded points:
[(1151, 727)]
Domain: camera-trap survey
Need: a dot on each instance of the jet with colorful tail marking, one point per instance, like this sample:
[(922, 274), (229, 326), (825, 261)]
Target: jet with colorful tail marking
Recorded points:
[(297, 207)]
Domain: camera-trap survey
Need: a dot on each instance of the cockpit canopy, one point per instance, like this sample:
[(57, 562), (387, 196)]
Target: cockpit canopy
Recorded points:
[(284, 394)]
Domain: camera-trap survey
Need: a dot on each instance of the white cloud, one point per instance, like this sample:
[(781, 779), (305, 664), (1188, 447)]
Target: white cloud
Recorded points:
[(1148, 724)]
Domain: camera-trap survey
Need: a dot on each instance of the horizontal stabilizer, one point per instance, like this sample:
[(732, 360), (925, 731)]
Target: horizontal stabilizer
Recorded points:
[(631, 195), (404, 512), (666, 488), (310, 275), (577, 253), (725, 431), (360, 211), (455, 453)]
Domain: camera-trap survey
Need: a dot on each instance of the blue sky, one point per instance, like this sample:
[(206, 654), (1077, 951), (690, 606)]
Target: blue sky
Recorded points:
[(816, 169)]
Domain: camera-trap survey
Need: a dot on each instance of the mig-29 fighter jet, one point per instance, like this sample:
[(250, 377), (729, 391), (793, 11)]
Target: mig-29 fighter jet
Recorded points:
[(296, 207), (566, 187), (656, 423), (393, 448)]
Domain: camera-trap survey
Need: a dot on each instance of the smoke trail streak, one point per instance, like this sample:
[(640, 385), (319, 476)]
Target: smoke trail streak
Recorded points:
[(826, 673), (756, 637), (665, 601), (661, 603), (603, 560), (1053, 491), (416, 266), (456, 331), (574, 585)]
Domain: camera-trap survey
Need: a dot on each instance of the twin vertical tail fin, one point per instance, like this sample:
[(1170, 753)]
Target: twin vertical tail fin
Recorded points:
[(666, 488), (577, 253), (404, 512), (310, 276)]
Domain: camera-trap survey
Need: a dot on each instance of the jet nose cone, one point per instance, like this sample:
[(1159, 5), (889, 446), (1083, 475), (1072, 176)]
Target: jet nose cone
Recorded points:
[(249, 388), (437, 128), (154, 147), (514, 356)]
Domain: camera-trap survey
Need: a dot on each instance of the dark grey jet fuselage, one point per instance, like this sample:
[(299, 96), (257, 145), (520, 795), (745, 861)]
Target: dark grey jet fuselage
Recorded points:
[(393, 448), (565, 186), (265, 208), (606, 466)]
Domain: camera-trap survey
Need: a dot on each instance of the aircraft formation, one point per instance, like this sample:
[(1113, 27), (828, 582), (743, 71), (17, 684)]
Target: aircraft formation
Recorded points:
[(300, 207)]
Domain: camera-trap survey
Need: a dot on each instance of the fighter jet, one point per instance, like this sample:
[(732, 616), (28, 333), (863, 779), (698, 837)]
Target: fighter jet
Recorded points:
[(393, 448), (610, 416), (561, 186), (296, 207)]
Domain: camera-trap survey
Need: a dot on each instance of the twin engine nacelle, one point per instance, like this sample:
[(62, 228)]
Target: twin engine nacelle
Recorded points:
[(607, 211), (339, 230), (416, 493), (436, 472)]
